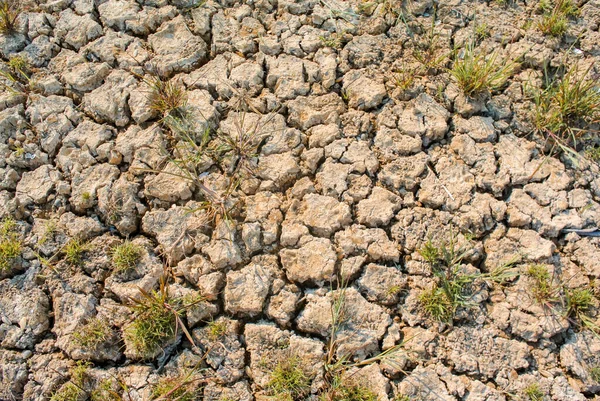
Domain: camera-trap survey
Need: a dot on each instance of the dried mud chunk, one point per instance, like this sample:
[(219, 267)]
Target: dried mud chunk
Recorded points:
[(587, 254), (239, 391), (35, 186), (423, 383), (364, 92), (224, 351), (280, 169), (503, 245), (324, 215), (247, 289), (451, 188), (176, 48), (177, 231), (85, 185), (481, 352), (120, 205), (405, 172), (144, 275), (306, 112), (358, 240), (580, 353), (108, 103), (313, 262), (392, 142), (364, 326), (382, 284), (13, 373), (25, 316), (379, 208), (76, 31), (116, 13), (425, 118)]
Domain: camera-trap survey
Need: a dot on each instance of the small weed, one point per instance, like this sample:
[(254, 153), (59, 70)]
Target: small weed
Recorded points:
[(176, 388), (157, 319), (104, 391), (482, 31), (566, 109), (593, 153), (401, 397), (553, 24), (555, 18), (477, 73), (74, 250), (578, 301), (125, 256), (17, 76), (288, 381), (50, 229), (93, 333), (543, 290), (342, 390), (216, 329), (86, 196), (74, 388), (166, 97), (10, 244), (334, 40), (595, 374), (436, 304), (452, 287), (534, 393), (9, 11)]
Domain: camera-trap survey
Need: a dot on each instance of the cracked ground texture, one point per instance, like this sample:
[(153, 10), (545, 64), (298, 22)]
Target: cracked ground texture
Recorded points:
[(359, 150)]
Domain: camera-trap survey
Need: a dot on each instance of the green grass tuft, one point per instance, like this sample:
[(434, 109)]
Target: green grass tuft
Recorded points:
[(595, 374), (9, 11), (567, 107), (157, 319), (74, 250), (216, 329), (543, 290), (93, 333), (534, 393), (125, 256), (10, 244), (288, 381), (175, 388), (477, 73)]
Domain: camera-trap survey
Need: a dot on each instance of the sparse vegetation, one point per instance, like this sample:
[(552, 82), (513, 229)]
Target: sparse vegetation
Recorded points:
[(595, 373), (216, 329), (73, 390), (9, 11), (452, 287), (347, 390), (288, 381), (95, 332), (16, 76), (50, 229), (555, 17), (125, 256), (543, 290), (74, 250), (157, 320), (166, 97), (105, 391), (10, 244), (534, 393), (476, 72), (567, 108), (182, 387)]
